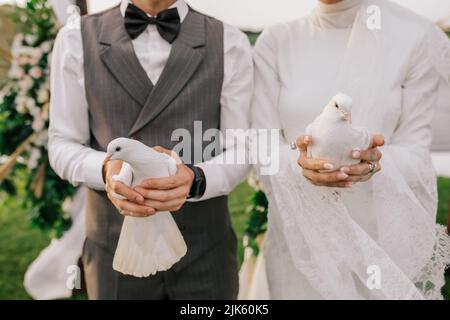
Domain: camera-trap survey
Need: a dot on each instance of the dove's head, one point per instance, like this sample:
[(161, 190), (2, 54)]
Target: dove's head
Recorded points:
[(342, 104), (123, 148)]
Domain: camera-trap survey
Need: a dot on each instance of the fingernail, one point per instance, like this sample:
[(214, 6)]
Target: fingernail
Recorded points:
[(345, 170), (140, 199), (356, 154), (328, 166), (342, 176), (349, 185)]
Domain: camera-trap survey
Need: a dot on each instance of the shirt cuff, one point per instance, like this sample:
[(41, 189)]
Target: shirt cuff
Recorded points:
[(214, 182), (92, 170)]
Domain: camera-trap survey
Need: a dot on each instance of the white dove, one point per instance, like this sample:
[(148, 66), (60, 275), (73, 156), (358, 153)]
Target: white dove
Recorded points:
[(151, 244), (334, 137)]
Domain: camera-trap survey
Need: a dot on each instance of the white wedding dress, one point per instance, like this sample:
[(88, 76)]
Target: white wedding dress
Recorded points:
[(322, 242)]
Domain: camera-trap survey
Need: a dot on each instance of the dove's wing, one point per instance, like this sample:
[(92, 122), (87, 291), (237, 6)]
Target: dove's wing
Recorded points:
[(151, 244), (125, 176), (364, 137)]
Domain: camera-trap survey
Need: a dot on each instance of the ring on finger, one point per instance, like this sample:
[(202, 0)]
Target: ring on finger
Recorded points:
[(372, 167), (293, 145)]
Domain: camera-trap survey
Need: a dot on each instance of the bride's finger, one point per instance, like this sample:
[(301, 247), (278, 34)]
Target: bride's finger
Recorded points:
[(303, 142), (313, 164), (360, 169), (325, 178)]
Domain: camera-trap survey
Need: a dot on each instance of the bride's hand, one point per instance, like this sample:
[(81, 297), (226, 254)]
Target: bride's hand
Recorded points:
[(312, 168), (370, 161)]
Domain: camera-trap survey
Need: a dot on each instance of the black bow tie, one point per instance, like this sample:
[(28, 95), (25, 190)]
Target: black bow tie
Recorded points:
[(167, 22)]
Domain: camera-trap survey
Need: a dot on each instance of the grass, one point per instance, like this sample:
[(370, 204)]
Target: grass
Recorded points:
[(20, 244)]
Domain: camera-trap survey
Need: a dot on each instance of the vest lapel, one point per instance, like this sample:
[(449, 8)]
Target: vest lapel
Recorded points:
[(185, 57), (121, 60)]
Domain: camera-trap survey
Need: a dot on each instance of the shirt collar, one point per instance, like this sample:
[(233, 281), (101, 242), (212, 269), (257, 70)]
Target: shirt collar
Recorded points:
[(181, 6)]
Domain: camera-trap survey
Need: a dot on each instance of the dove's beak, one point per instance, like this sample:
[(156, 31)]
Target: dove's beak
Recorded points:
[(347, 116)]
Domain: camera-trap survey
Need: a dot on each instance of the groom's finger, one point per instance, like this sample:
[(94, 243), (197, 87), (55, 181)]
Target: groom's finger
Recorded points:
[(162, 183), (172, 205), (163, 195), (126, 207), (124, 191)]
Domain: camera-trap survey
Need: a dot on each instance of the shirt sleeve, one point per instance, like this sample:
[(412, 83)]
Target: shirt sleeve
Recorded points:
[(223, 175), (412, 138), (264, 111), (69, 134)]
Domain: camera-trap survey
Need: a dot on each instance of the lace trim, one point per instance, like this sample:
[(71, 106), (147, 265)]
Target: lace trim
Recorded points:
[(431, 278)]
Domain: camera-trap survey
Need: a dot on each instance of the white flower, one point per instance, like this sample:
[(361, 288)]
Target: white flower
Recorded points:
[(26, 83), (17, 42), (38, 124), (30, 103), (21, 104), (36, 56), (35, 72), (46, 46), (67, 205), (21, 108), (33, 161), (45, 111), (21, 99), (43, 95), (260, 209), (254, 182), (30, 39), (41, 138), (23, 60), (15, 72)]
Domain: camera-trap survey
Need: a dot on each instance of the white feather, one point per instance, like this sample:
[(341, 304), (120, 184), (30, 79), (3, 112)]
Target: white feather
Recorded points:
[(152, 244), (334, 138)]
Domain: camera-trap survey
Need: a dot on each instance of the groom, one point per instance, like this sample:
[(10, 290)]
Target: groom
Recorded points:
[(142, 70)]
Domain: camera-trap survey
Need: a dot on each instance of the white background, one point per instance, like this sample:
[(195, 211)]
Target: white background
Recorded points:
[(255, 14)]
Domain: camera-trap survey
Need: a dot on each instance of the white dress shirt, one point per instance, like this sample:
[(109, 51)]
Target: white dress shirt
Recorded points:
[(69, 133)]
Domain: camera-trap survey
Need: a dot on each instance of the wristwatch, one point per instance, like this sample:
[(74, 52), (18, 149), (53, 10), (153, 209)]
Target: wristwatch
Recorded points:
[(199, 185)]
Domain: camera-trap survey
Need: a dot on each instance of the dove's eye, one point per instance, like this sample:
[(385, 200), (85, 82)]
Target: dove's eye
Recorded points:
[(337, 107), (118, 149)]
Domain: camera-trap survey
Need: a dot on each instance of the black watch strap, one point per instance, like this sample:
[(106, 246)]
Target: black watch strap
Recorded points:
[(199, 185)]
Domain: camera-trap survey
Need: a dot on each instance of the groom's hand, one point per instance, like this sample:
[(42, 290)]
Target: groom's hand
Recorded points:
[(133, 203), (171, 193), (313, 168)]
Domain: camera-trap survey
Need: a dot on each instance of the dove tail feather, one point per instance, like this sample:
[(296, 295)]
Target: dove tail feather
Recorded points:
[(148, 245)]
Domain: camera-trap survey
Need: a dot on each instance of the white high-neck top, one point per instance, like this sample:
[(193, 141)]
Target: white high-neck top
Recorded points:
[(339, 15), (296, 75)]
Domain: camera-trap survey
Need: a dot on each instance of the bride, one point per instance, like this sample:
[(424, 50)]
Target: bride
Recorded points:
[(366, 231)]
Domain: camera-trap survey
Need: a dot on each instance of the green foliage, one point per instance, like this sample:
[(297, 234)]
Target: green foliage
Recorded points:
[(24, 111), (257, 219)]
